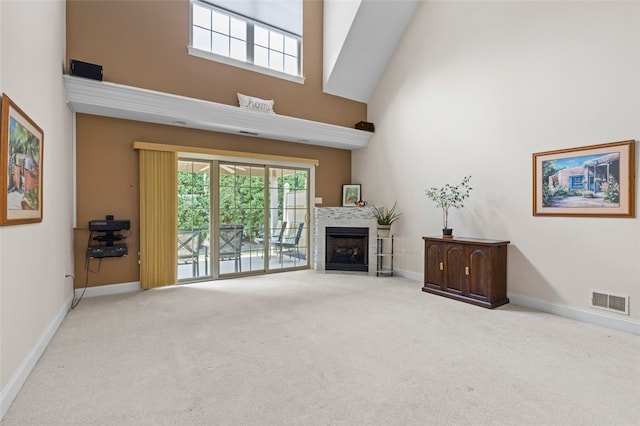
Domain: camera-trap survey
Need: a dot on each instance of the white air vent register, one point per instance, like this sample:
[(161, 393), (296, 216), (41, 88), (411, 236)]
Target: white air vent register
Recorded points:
[(610, 302)]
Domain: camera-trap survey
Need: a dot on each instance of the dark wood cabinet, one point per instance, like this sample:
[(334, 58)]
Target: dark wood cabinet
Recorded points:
[(471, 270)]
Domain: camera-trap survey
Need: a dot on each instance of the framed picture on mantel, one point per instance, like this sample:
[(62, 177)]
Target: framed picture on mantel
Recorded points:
[(351, 194), (595, 180)]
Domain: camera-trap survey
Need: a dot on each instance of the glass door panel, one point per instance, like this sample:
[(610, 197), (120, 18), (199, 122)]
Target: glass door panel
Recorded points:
[(255, 215), (241, 218), (288, 212), (194, 184)]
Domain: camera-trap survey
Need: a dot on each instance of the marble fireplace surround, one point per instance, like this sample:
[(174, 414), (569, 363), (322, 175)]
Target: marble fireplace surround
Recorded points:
[(359, 217)]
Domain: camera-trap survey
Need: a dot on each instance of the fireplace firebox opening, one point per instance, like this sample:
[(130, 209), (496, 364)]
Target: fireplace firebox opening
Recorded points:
[(347, 249)]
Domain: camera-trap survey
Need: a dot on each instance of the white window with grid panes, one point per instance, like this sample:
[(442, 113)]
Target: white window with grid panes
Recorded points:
[(225, 36)]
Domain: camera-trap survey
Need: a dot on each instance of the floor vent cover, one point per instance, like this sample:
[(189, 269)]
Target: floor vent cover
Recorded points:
[(610, 302)]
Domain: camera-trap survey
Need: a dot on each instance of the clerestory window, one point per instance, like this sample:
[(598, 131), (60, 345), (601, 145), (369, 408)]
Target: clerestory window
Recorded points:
[(225, 36)]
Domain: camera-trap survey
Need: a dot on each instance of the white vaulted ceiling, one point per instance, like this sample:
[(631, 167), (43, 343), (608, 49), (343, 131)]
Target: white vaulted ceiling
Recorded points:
[(359, 39)]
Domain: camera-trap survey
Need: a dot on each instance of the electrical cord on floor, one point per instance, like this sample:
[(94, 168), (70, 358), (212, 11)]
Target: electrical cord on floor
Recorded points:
[(75, 301), (86, 284)]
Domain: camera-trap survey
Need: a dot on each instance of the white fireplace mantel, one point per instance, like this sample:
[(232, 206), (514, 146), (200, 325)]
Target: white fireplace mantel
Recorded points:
[(358, 217)]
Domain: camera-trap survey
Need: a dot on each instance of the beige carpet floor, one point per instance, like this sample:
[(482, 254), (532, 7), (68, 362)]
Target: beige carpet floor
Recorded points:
[(308, 348)]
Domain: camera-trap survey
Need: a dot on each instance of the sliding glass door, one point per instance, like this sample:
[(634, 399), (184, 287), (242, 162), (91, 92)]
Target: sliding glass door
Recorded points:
[(263, 212), (194, 213), (259, 224)]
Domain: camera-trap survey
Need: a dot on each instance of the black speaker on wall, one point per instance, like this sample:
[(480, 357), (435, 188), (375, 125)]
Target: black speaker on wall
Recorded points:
[(86, 70)]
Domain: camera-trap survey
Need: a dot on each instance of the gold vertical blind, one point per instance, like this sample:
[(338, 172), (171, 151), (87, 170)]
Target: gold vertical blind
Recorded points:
[(158, 221)]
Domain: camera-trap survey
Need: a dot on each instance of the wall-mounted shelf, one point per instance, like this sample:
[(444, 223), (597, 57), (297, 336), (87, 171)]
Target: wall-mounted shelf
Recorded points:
[(133, 103), (105, 244)]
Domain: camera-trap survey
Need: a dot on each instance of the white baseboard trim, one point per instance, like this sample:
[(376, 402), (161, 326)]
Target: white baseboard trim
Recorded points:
[(414, 276), (596, 318), (15, 383), (105, 290), (620, 324)]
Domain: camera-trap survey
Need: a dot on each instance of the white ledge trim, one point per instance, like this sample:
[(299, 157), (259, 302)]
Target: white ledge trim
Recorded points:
[(134, 103)]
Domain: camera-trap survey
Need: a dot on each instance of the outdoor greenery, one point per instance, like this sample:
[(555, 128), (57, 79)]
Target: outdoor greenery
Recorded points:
[(449, 196), (193, 201), (241, 198), (386, 216)]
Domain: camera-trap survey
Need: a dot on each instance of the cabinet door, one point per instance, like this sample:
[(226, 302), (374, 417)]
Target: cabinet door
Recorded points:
[(434, 265), (454, 264), (479, 278)]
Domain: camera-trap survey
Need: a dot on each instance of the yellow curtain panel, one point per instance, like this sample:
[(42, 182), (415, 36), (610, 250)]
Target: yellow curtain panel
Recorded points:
[(158, 221)]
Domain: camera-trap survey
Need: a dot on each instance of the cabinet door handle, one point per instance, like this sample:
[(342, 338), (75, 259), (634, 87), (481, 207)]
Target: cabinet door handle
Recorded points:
[(466, 270), (442, 266)]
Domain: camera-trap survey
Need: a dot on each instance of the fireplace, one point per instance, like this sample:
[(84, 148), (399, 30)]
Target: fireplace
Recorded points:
[(346, 249), (343, 217)]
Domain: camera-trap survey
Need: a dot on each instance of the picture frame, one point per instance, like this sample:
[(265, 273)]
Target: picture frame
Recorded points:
[(594, 180), (350, 194), (21, 154)]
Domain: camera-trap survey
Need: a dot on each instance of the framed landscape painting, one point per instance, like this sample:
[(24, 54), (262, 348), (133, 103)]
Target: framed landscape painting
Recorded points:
[(595, 180), (351, 194), (21, 149)]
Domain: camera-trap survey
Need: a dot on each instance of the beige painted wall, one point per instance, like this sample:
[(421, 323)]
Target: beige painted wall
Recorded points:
[(476, 89), (144, 44), (107, 170), (34, 293)]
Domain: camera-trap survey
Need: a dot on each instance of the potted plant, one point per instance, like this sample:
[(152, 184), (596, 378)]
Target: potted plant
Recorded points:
[(385, 217), (449, 196)]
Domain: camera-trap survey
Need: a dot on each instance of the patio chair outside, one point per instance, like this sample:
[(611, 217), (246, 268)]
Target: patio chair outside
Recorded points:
[(276, 235), (291, 240), (189, 244), (231, 244)]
